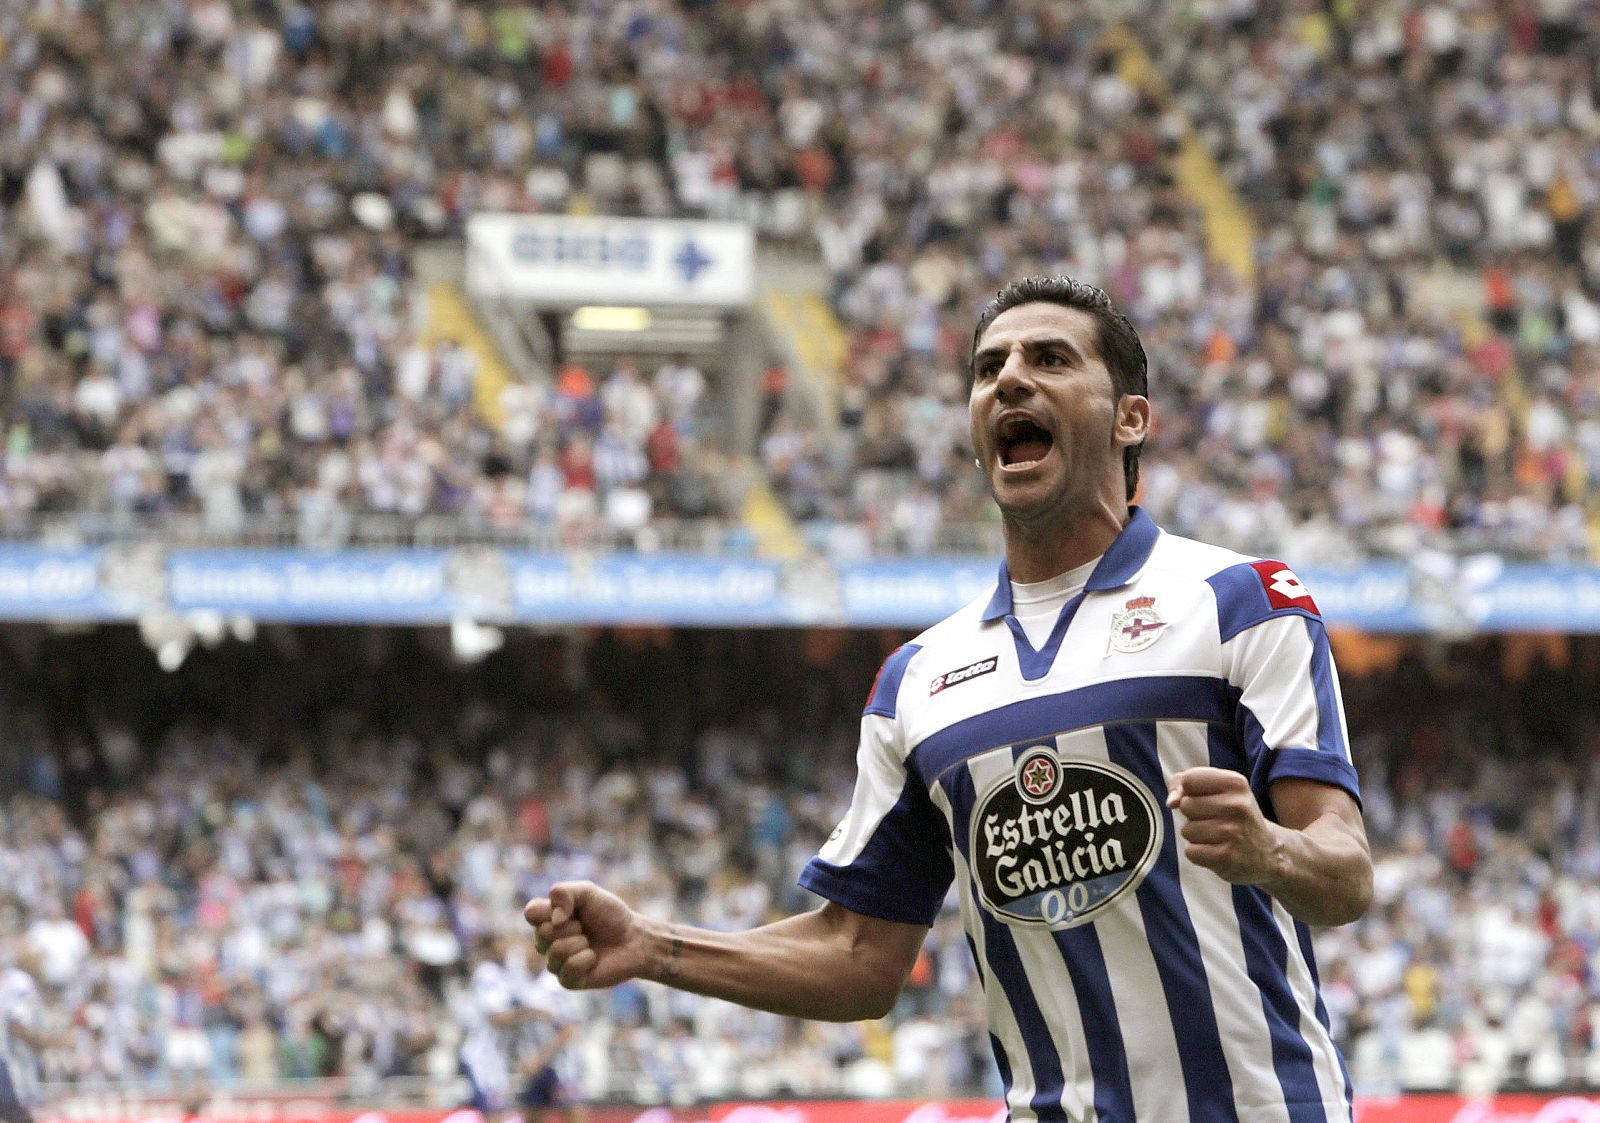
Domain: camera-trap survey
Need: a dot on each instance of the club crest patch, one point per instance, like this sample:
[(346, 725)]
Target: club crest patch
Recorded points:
[(1054, 842), (1136, 627)]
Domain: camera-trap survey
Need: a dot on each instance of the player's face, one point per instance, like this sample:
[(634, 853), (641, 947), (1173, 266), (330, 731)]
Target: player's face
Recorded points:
[(1047, 426)]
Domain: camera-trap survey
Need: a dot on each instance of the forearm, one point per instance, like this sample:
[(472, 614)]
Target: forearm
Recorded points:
[(812, 966), (1322, 873)]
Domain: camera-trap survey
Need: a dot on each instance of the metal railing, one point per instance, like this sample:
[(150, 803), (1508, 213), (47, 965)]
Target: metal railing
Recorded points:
[(520, 337), (340, 531)]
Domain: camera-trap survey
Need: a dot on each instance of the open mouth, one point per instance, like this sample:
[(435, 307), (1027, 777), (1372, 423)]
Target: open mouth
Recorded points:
[(1022, 442)]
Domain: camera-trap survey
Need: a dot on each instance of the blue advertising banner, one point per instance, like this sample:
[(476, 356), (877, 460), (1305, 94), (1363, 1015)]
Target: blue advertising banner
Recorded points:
[(1373, 598), (401, 586), (38, 583), (911, 592), (663, 589), (437, 586)]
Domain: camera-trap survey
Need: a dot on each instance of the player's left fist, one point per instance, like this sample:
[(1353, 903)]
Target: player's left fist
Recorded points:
[(1226, 831)]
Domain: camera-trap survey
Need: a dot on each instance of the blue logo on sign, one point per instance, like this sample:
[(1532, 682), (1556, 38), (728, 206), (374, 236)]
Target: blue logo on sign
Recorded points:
[(691, 260), (590, 250)]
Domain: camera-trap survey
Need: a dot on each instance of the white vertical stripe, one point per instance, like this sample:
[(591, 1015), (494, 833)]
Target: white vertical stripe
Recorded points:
[(1047, 978), (1273, 667), (1155, 1070), (1324, 1055), (1236, 1000), (880, 778), (1002, 1022)]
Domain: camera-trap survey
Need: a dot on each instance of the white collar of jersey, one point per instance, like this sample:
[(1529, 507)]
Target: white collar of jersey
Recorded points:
[(1118, 565)]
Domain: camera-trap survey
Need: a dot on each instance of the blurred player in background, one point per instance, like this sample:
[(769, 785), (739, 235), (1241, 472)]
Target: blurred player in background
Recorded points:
[(1130, 759), (547, 1060), (20, 1039), (516, 1050)]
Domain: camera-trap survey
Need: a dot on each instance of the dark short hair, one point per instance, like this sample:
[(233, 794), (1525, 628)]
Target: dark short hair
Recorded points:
[(1119, 344)]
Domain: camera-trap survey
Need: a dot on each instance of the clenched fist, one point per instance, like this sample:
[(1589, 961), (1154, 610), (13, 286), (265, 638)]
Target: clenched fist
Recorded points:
[(589, 936), (1226, 831)]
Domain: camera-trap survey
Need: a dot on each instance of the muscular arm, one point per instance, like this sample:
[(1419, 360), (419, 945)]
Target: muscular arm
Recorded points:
[(831, 964), (1315, 858), (1323, 864)]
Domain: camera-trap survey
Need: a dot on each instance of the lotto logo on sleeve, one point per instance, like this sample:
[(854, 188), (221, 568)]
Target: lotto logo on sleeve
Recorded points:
[(1283, 587)]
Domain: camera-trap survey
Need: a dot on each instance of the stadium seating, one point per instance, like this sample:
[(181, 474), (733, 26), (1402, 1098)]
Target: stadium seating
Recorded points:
[(211, 329), (211, 319), (207, 889)]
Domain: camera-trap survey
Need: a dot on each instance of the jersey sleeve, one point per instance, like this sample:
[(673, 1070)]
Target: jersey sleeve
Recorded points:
[(1289, 714), (890, 856)]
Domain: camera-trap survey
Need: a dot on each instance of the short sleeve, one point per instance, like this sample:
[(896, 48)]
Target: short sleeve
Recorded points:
[(890, 856), (1290, 713)]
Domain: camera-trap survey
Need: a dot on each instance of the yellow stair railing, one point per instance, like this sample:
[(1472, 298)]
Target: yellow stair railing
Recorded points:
[(451, 318), (1230, 230)]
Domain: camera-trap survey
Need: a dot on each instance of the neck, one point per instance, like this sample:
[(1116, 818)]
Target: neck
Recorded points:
[(1039, 549)]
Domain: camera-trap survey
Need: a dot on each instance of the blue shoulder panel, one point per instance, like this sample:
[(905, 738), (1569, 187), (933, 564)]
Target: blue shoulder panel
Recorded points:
[(886, 690), (1243, 600)]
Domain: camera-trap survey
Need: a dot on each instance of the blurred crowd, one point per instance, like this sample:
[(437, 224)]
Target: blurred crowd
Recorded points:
[(208, 300), (1413, 363), (284, 863), (210, 212), (1426, 290)]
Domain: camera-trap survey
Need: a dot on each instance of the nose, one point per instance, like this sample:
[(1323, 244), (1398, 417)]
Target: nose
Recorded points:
[(1015, 377)]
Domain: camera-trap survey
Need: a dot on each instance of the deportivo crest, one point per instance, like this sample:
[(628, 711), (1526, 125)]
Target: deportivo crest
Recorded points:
[(1136, 627), (1055, 842), (964, 674)]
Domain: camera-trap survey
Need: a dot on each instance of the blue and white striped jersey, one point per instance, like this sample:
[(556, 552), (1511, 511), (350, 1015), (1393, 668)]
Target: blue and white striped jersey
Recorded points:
[(1123, 982)]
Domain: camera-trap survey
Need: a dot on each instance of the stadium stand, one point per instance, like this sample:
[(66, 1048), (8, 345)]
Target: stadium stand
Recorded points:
[(209, 309), (210, 890), (212, 329)]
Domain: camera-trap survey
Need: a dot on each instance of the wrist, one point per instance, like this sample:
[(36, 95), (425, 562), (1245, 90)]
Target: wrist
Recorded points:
[(1277, 864), (664, 952)]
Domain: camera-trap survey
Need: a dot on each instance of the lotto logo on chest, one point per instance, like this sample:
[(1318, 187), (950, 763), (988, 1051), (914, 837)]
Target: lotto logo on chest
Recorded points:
[(1136, 627), (1057, 841)]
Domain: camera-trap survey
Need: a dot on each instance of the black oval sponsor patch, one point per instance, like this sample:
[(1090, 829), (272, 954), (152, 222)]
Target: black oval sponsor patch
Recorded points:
[(1056, 841)]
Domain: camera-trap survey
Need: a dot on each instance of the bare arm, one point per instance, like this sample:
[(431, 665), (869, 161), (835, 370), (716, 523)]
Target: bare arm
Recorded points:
[(831, 964), (1315, 858)]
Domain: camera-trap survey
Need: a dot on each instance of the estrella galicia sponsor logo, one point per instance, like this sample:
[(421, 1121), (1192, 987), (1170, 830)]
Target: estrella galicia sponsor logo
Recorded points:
[(965, 674), (1057, 841)]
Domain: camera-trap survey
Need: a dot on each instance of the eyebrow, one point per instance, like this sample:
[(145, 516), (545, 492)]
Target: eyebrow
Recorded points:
[(1052, 343)]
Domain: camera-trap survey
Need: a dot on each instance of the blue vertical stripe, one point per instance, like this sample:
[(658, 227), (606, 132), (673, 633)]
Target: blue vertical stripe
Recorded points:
[(1006, 965), (1097, 1006), (1267, 963), (1266, 959), (1330, 735), (1102, 1029), (1175, 945), (1001, 1061), (1252, 756), (1303, 935)]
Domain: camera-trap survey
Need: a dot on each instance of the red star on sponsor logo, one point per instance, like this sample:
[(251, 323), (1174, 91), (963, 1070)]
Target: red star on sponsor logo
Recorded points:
[(1038, 777)]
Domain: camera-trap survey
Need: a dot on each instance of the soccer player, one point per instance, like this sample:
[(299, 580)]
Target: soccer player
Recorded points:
[(1130, 760), (20, 1040), (549, 1088)]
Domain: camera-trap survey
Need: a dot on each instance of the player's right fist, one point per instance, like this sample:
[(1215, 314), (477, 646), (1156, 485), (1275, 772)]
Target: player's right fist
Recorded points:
[(590, 937)]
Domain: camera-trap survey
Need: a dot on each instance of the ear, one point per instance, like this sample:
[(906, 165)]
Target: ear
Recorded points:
[(1133, 420)]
